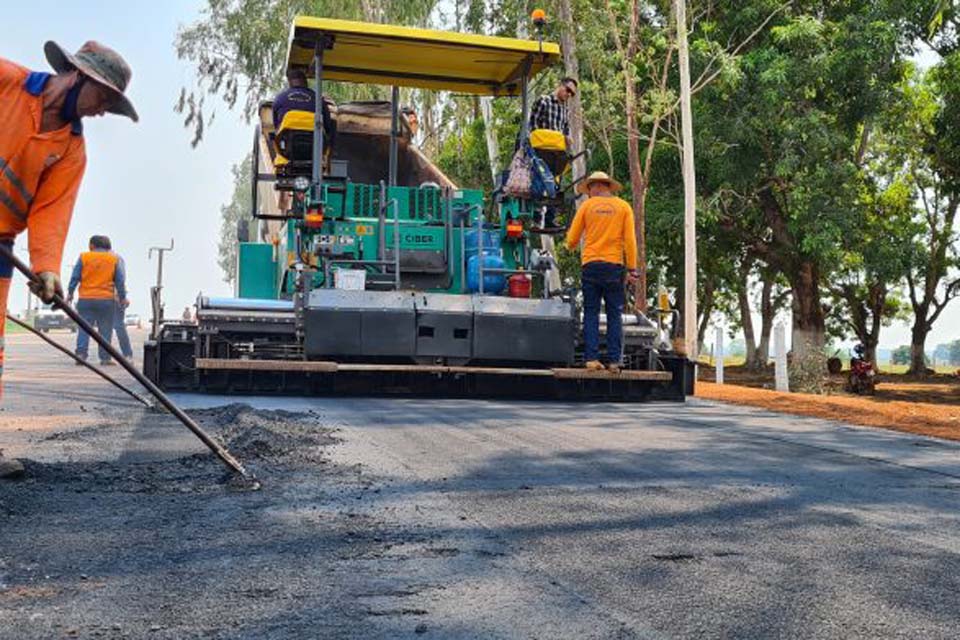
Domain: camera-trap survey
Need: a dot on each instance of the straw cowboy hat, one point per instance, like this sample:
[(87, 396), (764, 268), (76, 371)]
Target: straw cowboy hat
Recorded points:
[(100, 63), (598, 176)]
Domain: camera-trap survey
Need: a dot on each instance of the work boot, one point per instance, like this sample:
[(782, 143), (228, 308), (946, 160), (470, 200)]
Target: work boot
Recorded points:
[(594, 365), (107, 363), (614, 367), (10, 468)]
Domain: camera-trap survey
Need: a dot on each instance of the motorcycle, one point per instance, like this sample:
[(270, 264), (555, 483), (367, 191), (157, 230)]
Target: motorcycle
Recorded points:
[(862, 378)]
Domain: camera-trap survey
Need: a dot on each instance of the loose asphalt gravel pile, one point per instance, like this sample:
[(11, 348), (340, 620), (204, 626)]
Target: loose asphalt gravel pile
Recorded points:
[(169, 548), (267, 442)]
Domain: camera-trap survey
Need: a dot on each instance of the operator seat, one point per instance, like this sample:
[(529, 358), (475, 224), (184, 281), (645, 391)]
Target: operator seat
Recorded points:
[(293, 141), (294, 144)]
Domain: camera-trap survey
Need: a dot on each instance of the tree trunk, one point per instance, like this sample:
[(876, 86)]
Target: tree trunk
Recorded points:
[(746, 320), (637, 189), (870, 352), (706, 310), (859, 312), (571, 66), (640, 229), (490, 133), (935, 269), (637, 181), (877, 302), (918, 344), (767, 313), (809, 324)]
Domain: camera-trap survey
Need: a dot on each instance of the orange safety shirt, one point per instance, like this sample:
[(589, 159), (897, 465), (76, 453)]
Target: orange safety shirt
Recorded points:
[(606, 226), (98, 269), (40, 173)]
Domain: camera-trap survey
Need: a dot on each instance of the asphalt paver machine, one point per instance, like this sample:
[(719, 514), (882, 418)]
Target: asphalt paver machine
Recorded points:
[(367, 271)]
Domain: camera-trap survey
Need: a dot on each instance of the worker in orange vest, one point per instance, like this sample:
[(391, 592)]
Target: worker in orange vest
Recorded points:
[(42, 154), (42, 158), (100, 275), (608, 257)]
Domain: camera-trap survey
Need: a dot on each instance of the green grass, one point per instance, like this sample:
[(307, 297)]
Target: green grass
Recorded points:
[(728, 361), (902, 368), (12, 328)]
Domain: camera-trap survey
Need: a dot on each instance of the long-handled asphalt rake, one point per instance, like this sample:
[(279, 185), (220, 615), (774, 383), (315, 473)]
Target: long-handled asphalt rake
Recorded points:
[(221, 452)]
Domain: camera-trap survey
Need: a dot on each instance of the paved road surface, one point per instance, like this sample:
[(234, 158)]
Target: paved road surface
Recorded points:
[(652, 521)]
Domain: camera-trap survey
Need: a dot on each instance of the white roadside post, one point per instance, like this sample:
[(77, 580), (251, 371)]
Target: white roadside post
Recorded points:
[(719, 351), (781, 380)]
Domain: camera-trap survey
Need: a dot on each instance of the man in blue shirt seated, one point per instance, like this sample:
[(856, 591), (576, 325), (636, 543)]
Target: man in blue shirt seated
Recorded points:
[(299, 97)]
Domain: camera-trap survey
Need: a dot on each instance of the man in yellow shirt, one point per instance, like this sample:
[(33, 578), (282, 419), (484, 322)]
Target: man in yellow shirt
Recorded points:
[(605, 223)]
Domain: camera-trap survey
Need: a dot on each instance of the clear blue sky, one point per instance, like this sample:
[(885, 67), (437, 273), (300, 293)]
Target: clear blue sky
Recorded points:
[(144, 184)]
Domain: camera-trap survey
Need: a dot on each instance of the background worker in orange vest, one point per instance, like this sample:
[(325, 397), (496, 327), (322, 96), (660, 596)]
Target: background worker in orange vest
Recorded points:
[(100, 275), (42, 155)]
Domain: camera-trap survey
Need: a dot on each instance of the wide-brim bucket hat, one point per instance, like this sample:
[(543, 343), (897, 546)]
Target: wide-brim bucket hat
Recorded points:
[(598, 176), (101, 64)]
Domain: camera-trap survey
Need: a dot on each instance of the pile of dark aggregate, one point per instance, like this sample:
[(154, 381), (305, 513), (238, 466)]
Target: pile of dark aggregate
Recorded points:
[(194, 556), (265, 442), (277, 436)]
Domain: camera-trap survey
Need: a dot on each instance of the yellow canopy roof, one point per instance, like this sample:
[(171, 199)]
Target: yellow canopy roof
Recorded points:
[(369, 53)]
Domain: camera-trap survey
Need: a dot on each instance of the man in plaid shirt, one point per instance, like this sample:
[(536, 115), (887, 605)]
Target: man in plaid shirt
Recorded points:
[(550, 110)]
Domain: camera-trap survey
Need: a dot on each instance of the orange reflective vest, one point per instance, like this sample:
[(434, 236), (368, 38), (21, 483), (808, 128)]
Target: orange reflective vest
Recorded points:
[(97, 272), (40, 173), (606, 226)]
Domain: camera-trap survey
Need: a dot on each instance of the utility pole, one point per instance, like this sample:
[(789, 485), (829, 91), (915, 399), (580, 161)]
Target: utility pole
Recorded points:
[(156, 301), (689, 189)]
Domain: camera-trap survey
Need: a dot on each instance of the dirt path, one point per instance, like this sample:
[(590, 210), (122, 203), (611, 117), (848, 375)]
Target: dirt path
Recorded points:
[(928, 409)]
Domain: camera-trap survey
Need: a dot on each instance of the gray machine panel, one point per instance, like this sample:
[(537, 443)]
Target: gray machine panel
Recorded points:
[(345, 299), (522, 330), (437, 325), (359, 323), (530, 307), (444, 325)]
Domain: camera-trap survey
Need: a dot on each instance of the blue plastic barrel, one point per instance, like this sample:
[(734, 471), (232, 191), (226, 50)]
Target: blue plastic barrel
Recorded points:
[(493, 283), (491, 241)]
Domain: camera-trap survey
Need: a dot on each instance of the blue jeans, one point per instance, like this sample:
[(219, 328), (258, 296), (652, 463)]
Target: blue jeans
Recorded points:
[(120, 328), (99, 313), (603, 281)]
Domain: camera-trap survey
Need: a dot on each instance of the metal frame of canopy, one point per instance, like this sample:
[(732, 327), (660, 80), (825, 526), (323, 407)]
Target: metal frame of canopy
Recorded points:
[(367, 53)]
